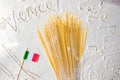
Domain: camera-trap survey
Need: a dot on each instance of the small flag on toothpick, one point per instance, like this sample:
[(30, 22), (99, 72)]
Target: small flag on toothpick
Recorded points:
[(33, 57)]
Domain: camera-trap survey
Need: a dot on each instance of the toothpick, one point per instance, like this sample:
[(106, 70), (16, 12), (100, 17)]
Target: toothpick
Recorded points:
[(20, 69)]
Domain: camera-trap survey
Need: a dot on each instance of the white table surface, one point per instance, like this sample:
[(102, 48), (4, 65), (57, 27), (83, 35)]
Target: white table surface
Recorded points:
[(101, 60)]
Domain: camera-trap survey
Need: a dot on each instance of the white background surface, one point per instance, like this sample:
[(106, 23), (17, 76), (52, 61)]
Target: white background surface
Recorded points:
[(101, 60)]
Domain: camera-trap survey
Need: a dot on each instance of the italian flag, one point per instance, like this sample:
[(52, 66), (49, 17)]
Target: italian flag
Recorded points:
[(34, 57)]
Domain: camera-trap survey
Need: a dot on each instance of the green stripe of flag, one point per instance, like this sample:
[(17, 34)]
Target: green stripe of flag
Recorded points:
[(26, 55)]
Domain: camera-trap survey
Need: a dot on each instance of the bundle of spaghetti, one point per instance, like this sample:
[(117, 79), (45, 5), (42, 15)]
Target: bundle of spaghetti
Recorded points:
[(63, 40)]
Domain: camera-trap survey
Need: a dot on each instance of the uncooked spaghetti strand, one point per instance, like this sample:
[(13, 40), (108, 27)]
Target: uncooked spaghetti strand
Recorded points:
[(83, 35), (69, 48), (44, 45), (46, 51), (53, 39), (52, 57), (72, 48), (59, 43), (63, 38), (62, 46), (76, 40), (60, 27), (78, 37), (55, 26), (68, 42), (84, 38)]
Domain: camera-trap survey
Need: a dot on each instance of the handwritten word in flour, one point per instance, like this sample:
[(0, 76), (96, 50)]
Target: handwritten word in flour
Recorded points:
[(28, 13)]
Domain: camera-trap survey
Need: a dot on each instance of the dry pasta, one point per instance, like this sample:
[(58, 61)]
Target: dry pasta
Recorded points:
[(63, 40)]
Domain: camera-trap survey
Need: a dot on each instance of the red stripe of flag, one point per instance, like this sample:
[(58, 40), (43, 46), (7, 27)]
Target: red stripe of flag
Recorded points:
[(35, 57)]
